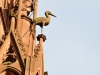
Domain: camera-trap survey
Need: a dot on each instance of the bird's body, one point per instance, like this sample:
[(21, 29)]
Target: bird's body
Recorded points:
[(43, 21)]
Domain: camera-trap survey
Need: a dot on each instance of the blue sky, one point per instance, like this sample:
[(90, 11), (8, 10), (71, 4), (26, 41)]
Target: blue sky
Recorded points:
[(73, 38)]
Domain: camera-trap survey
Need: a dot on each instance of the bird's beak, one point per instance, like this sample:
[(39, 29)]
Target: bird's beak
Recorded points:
[(52, 15)]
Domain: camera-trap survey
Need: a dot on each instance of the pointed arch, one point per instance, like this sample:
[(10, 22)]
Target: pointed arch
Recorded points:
[(11, 70)]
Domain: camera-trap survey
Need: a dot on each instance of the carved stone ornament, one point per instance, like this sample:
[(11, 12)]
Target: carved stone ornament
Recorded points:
[(46, 73), (41, 36), (37, 50), (10, 56), (20, 44)]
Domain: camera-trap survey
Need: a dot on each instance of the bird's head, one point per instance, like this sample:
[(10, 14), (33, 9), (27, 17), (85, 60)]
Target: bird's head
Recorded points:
[(49, 13)]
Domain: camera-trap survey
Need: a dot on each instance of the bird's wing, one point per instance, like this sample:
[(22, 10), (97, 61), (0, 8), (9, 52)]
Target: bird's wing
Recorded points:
[(39, 19)]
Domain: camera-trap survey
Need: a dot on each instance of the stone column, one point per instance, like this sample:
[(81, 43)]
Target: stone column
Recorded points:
[(41, 38)]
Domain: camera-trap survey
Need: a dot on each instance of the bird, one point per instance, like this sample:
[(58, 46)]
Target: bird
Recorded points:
[(43, 21)]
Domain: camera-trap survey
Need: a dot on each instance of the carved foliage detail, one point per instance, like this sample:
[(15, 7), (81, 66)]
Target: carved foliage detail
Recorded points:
[(4, 37), (10, 56), (37, 50), (20, 44)]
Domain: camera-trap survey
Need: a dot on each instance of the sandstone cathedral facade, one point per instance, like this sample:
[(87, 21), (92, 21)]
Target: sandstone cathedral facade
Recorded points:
[(19, 52)]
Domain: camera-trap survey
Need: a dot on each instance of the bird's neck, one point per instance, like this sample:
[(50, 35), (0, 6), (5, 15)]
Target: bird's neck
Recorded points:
[(47, 15)]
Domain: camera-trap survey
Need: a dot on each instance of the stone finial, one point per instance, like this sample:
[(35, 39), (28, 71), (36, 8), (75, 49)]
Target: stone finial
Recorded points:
[(41, 36)]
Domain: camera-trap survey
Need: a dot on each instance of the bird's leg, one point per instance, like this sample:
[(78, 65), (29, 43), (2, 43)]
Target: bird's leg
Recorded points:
[(42, 27), (41, 30)]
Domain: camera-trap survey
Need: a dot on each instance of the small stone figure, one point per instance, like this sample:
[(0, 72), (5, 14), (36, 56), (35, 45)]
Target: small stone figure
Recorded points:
[(27, 7)]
